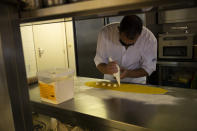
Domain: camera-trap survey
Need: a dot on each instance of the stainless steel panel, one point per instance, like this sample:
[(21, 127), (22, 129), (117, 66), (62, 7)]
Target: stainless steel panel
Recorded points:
[(170, 28), (178, 64), (6, 121), (180, 15), (13, 77), (86, 43), (119, 18), (115, 19)]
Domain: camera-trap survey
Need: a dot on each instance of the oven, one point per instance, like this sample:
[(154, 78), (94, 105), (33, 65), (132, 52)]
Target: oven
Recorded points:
[(176, 46)]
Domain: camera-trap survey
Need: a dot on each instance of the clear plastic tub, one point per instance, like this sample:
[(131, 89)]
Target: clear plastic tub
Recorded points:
[(57, 85)]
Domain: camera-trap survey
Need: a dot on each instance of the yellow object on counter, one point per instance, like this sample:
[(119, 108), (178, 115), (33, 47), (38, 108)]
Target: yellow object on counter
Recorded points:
[(134, 88), (47, 91)]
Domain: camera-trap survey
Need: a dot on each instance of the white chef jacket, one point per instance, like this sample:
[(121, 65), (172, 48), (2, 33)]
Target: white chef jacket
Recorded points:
[(143, 54)]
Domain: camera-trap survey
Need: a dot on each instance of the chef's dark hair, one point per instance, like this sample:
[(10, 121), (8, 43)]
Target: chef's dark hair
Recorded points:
[(131, 25)]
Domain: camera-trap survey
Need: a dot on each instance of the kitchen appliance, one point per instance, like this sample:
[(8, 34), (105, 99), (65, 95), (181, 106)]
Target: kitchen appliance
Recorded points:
[(176, 46), (177, 15)]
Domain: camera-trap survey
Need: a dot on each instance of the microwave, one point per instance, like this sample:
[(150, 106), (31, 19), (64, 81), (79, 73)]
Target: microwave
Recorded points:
[(176, 46)]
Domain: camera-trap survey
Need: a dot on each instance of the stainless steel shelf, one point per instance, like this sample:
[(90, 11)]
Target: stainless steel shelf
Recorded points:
[(95, 7)]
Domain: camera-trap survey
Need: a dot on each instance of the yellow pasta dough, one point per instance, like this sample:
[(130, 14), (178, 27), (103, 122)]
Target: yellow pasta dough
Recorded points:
[(135, 88)]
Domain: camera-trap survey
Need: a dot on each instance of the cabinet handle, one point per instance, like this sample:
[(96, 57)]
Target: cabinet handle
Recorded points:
[(40, 52)]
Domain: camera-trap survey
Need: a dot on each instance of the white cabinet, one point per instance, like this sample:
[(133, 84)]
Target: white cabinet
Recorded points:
[(47, 46), (70, 45), (50, 46), (29, 50)]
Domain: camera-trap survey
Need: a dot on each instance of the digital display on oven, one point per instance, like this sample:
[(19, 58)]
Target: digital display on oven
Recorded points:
[(174, 51)]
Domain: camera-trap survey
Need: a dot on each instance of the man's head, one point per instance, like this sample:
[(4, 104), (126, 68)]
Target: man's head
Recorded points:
[(130, 29)]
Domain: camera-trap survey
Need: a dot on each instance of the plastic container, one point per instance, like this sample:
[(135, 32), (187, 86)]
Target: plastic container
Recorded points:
[(57, 85)]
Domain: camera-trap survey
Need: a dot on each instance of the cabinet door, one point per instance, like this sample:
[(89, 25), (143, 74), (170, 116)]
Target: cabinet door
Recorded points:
[(29, 50), (50, 44), (70, 45)]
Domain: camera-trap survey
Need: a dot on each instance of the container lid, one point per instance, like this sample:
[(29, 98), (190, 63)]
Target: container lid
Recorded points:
[(56, 73)]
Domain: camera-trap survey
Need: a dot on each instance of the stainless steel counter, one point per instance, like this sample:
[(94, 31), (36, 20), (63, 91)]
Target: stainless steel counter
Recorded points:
[(101, 109)]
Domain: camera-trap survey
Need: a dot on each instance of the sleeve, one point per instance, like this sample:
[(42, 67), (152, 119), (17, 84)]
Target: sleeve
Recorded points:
[(101, 56), (149, 56)]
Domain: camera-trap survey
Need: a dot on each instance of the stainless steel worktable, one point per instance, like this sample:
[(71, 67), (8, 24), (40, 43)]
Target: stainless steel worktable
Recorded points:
[(108, 110)]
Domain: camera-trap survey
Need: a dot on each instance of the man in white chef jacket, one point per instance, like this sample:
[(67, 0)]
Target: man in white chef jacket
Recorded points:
[(130, 45)]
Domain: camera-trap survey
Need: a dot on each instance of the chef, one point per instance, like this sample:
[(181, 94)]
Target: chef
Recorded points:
[(130, 45)]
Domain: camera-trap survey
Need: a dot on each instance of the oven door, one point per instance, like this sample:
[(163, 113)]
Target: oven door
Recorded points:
[(175, 52)]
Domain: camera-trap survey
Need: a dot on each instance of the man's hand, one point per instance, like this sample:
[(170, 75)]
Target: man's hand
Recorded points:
[(111, 68), (123, 73), (132, 73)]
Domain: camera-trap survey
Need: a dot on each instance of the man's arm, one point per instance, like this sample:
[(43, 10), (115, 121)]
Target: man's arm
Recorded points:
[(133, 73)]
